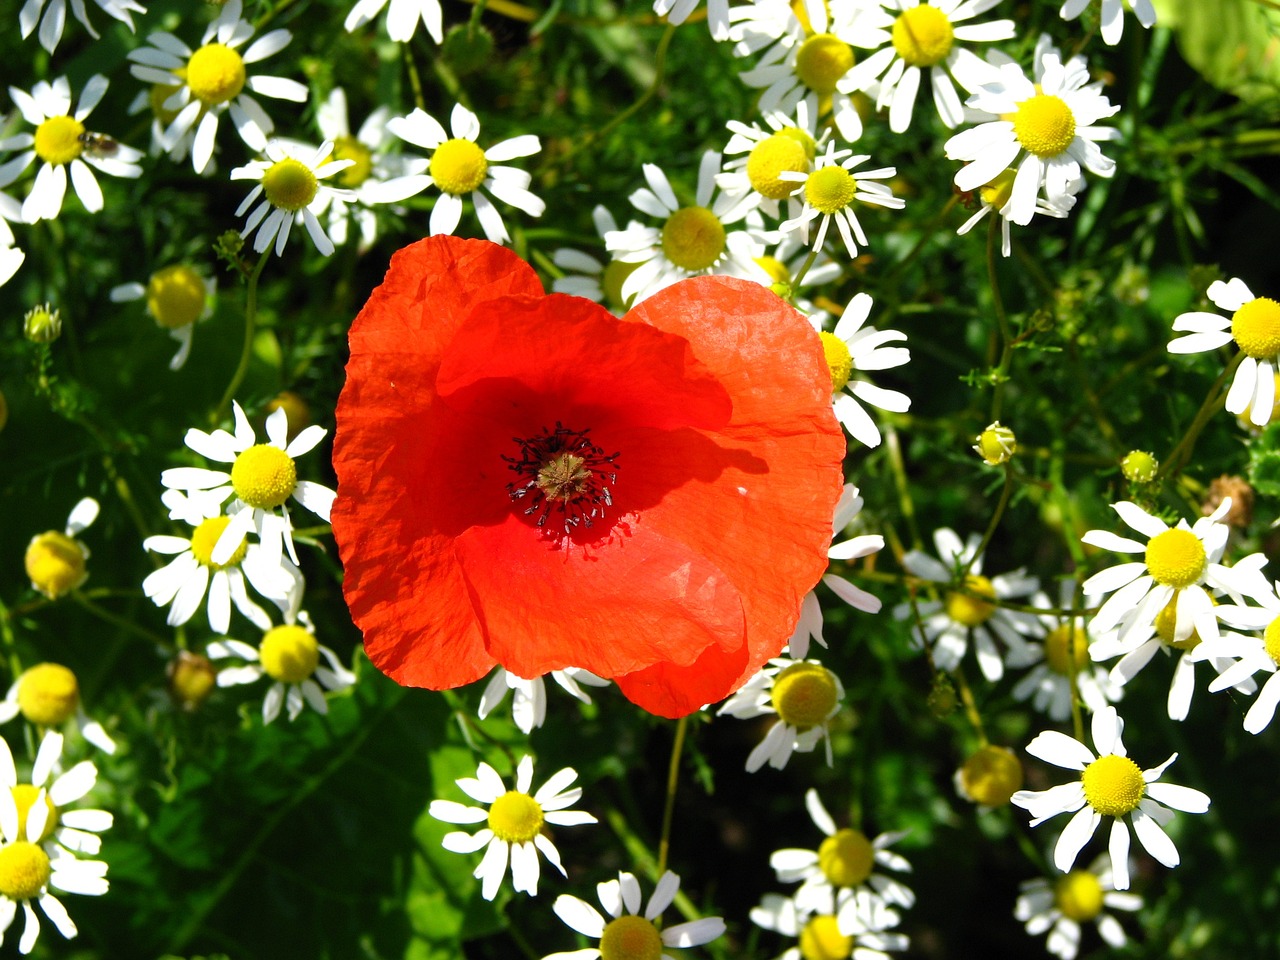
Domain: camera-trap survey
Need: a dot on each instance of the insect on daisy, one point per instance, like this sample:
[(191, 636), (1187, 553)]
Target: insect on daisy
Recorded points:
[(804, 694), (829, 193), (1062, 905), (291, 191)]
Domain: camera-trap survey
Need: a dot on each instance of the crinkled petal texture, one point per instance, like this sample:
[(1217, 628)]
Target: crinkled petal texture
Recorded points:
[(714, 397)]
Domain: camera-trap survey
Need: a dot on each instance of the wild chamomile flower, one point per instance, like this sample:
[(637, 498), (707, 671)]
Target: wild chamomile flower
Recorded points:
[(1252, 655), (910, 37), (1110, 785), (1112, 15), (28, 871), (995, 197), (810, 625), (586, 276), (212, 80), (55, 561), (62, 142), (48, 696), (790, 143), (1061, 660), (291, 191), (513, 823), (75, 830), (1045, 130), (459, 168), (263, 477), (989, 776), (829, 193), (1061, 905), (402, 18), (691, 240), (1254, 325), (864, 934), (630, 934), (177, 297), (804, 694), (290, 655), (529, 697), (850, 348), (970, 607), (55, 17), (677, 12)]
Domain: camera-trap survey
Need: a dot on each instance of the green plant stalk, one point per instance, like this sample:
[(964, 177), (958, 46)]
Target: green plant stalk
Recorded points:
[(250, 328)]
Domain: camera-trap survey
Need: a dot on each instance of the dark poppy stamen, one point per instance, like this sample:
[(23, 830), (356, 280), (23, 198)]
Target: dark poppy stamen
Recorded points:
[(562, 471)]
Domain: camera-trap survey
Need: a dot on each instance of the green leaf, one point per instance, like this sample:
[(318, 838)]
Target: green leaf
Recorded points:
[(1234, 44)]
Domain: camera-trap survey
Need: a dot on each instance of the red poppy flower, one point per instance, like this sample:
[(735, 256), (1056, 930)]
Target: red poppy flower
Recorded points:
[(527, 480)]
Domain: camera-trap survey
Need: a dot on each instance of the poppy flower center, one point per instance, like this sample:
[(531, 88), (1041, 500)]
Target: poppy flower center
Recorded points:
[(1066, 649), (805, 695), (997, 192), (361, 157), (1113, 785), (24, 798), (563, 471), (215, 74), (264, 476), (1176, 558), (55, 563), (991, 775), (58, 140), (458, 166), (846, 858), (24, 870), (830, 189), (822, 61), (515, 817), (1078, 895), (772, 156), (630, 938), (974, 605), (1256, 328), (205, 537), (1166, 622), (1044, 124), (289, 653), (176, 296), (693, 238), (923, 36), (821, 939), (839, 360), (48, 695), (289, 184)]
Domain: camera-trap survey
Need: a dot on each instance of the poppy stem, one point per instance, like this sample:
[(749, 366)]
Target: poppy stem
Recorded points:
[(673, 777), (250, 328)]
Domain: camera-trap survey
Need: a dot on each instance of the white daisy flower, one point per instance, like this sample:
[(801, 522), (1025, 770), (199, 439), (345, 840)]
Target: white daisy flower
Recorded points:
[(1112, 15), (56, 562), (790, 142), (1255, 327), (529, 697), (587, 276), (690, 241), (1252, 655), (48, 696), (995, 196), (1110, 785), (291, 191), (514, 823), (864, 935), (677, 12), (810, 624), (637, 931), (829, 193), (804, 694), (212, 81), (28, 872), (76, 830), (1045, 130), (55, 17), (263, 477), (458, 167), (1062, 905), (177, 297), (63, 143), (402, 18), (970, 608), (290, 655)]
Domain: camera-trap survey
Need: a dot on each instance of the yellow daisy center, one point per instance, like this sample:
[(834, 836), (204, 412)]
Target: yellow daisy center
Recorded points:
[(776, 269), (24, 798), (1066, 649), (615, 275), (846, 858), (821, 939), (822, 60), (805, 695), (630, 938), (1256, 328), (830, 189), (176, 296), (458, 166), (774, 155), (205, 537), (693, 238), (1176, 558), (48, 695), (975, 605), (289, 184), (1078, 895), (839, 359), (923, 36), (997, 192), (215, 74), (24, 870), (349, 148), (515, 817), (289, 653), (1044, 124), (1165, 622), (55, 563), (58, 140), (1138, 466), (264, 476), (991, 775), (1113, 785)]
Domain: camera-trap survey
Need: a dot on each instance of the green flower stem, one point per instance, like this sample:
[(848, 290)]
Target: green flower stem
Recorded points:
[(128, 626), (673, 780), (644, 859), (10, 641), (1001, 374), (1180, 454), (250, 328), (995, 518)]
